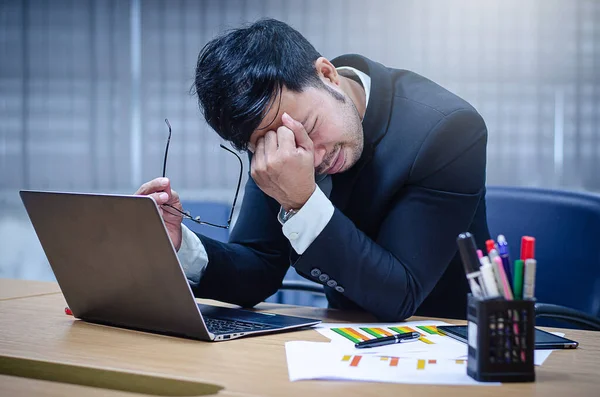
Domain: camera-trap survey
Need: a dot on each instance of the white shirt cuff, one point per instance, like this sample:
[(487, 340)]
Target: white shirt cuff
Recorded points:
[(192, 255), (306, 225)]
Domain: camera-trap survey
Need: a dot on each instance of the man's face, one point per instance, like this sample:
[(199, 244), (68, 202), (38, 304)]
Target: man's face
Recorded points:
[(333, 125)]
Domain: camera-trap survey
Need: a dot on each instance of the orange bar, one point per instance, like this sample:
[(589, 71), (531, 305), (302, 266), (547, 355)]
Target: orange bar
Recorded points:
[(432, 361), (355, 333), (394, 362), (382, 331), (355, 361)]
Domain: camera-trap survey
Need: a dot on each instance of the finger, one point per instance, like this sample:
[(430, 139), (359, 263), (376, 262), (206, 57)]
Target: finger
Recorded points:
[(155, 185), (258, 159), (270, 142), (173, 195), (160, 198), (286, 139), (302, 139)]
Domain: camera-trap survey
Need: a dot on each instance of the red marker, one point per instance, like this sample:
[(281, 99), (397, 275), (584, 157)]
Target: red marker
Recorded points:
[(527, 248), (490, 245), (68, 311)]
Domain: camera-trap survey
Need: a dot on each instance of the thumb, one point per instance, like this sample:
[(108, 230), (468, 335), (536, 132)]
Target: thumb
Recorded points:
[(302, 138)]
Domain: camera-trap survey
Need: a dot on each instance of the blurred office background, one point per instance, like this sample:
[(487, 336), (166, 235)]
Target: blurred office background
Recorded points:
[(85, 87)]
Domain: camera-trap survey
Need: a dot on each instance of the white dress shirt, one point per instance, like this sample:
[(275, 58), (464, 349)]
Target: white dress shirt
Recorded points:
[(301, 230)]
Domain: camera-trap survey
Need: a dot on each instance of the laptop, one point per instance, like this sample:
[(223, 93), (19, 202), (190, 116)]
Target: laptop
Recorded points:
[(115, 264)]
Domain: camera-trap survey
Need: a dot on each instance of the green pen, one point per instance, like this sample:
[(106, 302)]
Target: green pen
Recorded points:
[(518, 279)]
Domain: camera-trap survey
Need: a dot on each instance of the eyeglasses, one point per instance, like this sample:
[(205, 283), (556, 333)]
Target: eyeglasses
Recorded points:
[(186, 214)]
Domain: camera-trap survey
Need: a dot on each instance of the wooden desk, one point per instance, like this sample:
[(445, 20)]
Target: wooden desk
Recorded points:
[(37, 328), (16, 289)]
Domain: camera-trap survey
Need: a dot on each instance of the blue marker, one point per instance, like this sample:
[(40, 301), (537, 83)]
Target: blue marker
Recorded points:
[(504, 255)]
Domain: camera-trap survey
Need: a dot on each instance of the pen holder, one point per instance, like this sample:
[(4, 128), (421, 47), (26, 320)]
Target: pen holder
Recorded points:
[(501, 340)]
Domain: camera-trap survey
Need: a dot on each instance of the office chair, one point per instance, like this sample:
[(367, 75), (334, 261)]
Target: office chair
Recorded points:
[(209, 211), (295, 290), (566, 226)]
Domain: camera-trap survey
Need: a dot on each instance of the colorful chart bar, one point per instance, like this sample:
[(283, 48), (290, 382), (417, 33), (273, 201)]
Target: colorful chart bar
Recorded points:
[(430, 329), (347, 335), (401, 330), (394, 362), (364, 333), (420, 364), (372, 332), (354, 360)]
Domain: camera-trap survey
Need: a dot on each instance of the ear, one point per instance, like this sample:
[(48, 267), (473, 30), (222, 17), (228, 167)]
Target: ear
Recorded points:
[(327, 71)]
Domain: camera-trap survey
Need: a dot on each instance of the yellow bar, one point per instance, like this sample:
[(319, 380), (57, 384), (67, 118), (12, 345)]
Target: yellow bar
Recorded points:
[(384, 358), (346, 358), (425, 340), (421, 364), (432, 328), (460, 361)]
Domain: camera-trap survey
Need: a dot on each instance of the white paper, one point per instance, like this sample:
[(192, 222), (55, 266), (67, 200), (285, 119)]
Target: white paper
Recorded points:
[(441, 346), (333, 361)]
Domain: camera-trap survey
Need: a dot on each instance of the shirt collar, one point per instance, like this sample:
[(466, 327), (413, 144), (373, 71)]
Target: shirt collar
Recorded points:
[(364, 78)]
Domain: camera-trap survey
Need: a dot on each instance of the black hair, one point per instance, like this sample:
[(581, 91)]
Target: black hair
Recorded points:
[(240, 75)]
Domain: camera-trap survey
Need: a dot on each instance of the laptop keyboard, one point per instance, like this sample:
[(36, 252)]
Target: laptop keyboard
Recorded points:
[(221, 326)]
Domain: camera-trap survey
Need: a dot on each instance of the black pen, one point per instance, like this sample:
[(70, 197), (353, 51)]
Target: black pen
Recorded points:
[(389, 340)]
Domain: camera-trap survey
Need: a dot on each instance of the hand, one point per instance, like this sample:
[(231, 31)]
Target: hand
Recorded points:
[(160, 190), (283, 164)]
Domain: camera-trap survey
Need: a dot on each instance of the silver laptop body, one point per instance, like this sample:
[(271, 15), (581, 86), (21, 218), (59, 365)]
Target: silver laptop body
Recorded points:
[(115, 264)]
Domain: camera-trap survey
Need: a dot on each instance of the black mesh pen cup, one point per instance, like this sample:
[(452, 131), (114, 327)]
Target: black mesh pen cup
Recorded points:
[(501, 340)]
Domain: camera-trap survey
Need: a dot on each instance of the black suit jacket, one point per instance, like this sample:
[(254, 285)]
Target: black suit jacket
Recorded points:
[(391, 243)]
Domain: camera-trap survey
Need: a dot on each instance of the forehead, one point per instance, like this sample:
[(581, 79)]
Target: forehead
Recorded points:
[(296, 104)]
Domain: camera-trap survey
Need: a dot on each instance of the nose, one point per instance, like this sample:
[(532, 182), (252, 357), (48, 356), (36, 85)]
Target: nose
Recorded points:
[(320, 153)]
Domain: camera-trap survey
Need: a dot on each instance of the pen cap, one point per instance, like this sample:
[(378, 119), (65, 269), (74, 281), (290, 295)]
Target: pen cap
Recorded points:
[(502, 245), (518, 279), (490, 245), (468, 252), (527, 248), (529, 279)]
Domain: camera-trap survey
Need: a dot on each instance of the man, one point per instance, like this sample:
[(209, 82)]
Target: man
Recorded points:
[(361, 178)]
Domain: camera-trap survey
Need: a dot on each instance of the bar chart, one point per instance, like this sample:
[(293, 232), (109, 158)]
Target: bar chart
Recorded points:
[(360, 334)]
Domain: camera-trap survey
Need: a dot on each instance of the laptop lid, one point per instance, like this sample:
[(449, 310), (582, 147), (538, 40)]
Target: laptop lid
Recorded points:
[(114, 261)]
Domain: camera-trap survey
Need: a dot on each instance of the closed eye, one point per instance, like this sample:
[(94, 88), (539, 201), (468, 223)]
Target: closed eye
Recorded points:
[(314, 125)]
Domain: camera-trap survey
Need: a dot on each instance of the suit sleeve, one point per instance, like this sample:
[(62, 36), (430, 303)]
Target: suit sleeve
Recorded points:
[(251, 266), (390, 275)]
